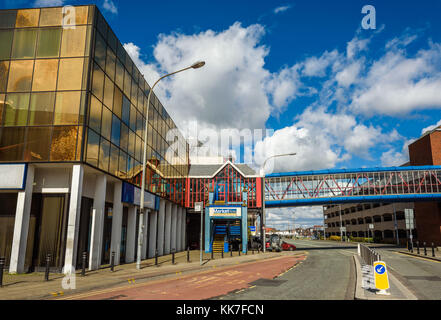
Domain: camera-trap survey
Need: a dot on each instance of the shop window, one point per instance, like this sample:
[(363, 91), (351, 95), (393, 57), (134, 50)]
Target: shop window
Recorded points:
[(64, 142), (95, 114), (41, 108), (20, 75), (12, 143), (50, 17), (67, 107), (38, 140), (6, 41), (48, 43), (45, 75), (71, 74), (16, 109), (27, 18), (74, 42)]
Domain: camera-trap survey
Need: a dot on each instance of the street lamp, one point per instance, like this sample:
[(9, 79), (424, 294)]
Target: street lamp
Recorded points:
[(195, 65), (263, 195)]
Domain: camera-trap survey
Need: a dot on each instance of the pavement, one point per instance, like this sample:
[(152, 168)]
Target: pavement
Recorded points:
[(33, 287), (432, 255)]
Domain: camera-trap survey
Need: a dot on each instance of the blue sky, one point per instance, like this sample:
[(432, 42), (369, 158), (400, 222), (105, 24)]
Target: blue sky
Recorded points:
[(335, 93)]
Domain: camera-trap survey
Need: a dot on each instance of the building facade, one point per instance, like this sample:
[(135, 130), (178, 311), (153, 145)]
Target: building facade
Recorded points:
[(73, 108)]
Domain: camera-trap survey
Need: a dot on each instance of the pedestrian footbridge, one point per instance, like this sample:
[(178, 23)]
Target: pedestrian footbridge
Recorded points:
[(390, 184)]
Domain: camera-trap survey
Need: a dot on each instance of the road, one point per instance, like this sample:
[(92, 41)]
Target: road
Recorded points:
[(328, 273), (421, 276)]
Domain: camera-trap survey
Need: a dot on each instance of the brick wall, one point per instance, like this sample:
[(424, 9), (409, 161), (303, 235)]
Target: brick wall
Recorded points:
[(427, 151)]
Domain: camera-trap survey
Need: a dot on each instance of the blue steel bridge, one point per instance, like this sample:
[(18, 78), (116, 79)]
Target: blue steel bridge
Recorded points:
[(388, 184)]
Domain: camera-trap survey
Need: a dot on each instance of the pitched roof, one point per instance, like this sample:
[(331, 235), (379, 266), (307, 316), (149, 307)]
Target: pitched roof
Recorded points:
[(211, 170)]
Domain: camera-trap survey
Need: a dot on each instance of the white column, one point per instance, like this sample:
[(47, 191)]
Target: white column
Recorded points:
[(184, 227), (21, 224), (145, 235), (167, 242), (131, 232), (152, 233), (179, 229), (173, 226), (161, 224), (115, 245), (73, 224), (96, 235)]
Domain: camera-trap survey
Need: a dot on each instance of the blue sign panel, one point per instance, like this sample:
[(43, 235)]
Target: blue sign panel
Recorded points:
[(131, 194)]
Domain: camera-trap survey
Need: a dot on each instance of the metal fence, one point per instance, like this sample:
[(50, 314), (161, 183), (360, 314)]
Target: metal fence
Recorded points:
[(368, 255)]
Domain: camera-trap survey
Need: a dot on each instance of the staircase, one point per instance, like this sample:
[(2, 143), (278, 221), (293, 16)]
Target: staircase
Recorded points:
[(235, 230), (219, 238)]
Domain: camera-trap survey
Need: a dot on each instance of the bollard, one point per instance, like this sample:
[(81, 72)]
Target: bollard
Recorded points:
[(240, 245), (252, 250), (173, 256), (418, 247), (2, 265), (48, 261), (112, 262), (231, 250), (156, 257), (222, 252), (188, 254), (425, 249), (212, 254), (83, 269), (258, 249), (433, 249)]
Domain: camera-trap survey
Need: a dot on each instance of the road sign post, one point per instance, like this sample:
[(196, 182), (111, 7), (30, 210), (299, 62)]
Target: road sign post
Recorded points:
[(198, 207), (381, 278)]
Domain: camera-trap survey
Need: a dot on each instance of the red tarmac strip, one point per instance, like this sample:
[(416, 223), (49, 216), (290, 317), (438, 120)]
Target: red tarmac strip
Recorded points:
[(203, 285)]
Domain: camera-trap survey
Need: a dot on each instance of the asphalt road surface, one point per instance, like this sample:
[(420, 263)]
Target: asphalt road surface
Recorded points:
[(328, 273)]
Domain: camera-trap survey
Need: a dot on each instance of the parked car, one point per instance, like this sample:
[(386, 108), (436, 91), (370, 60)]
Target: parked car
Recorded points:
[(288, 246)]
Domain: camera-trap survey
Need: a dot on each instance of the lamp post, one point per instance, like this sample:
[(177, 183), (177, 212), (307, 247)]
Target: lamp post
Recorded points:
[(263, 195), (195, 65)]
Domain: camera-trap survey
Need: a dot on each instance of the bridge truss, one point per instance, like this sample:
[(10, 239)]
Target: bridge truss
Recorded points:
[(399, 184)]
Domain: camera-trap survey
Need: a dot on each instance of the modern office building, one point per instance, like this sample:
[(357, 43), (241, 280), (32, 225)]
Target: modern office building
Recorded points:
[(73, 107)]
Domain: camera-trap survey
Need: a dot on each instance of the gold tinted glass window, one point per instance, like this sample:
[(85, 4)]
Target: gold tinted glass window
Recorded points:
[(114, 155), (50, 17), (74, 42), (132, 141), (48, 43), (7, 18), (127, 83), (20, 75), (119, 74), (6, 37), (133, 117), (12, 144), (71, 74), (38, 142), (100, 51), (4, 71), (124, 141), (123, 164), (2, 106), (93, 142), (104, 156), (98, 82), (117, 102), (64, 142), (95, 114), (110, 63), (108, 93), (106, 125), (67, 107), (16, 109), (24, 43), (45, 75), (27, 18), (41, 110), (81, 14)]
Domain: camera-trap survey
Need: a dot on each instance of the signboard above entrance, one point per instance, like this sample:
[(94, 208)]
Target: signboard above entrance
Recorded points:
[(225, 211)]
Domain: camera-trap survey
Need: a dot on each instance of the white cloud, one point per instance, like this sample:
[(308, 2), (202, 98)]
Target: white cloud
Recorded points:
[(48, 3), (284, 218), (430, 128), (110, 6), (281, 9), (316, 67)]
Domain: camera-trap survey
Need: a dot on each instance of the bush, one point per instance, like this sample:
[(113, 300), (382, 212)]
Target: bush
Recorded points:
[(360, 239), (335, 238)]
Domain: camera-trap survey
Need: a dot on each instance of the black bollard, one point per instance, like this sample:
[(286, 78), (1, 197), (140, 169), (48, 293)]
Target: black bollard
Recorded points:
[(222, 252), (246, 251), (173, 256), (83, 269), (231, 250), (425, 249), (212, 253), (188, 254), (156, 257), (240, 245), (48, 261), (2, 265), (112, 262), (433, 249), (418, 247)]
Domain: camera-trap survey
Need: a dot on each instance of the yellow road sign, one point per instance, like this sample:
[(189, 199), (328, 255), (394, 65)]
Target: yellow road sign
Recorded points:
[(381, 278)]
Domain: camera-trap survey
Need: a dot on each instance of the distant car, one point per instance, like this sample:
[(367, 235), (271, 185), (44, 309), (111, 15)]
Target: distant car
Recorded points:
[(288, 246)]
